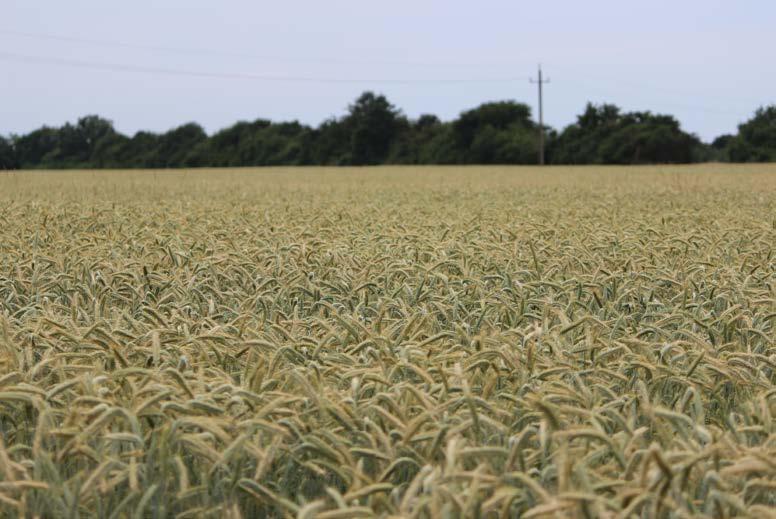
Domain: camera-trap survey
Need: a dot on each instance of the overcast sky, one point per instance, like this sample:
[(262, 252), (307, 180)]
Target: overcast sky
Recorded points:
[(156, 64)]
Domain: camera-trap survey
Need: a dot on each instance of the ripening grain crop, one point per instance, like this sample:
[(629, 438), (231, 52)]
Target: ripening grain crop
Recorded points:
[(427, 342)]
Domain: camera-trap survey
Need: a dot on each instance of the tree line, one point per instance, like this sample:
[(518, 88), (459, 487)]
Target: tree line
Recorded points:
[(373, 131)]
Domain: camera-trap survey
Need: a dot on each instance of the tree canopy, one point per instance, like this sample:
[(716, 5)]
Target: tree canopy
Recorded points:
[(605, 135), (756, 139), (374, 131)]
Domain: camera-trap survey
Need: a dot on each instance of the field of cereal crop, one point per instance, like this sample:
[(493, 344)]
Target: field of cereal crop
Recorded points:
[(407, 342)]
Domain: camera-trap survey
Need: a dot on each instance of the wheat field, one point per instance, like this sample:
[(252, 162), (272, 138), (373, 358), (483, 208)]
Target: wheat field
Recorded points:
[(389, 342)]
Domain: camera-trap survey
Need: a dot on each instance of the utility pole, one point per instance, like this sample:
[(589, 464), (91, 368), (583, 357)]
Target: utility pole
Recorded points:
[(540, 82)]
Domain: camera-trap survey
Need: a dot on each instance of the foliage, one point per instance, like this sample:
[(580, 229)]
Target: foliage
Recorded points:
[(70, 146), (8, 158), (605, 135), (756, 139), (496, 133), (373, 131), (373, 124), (257, 143)]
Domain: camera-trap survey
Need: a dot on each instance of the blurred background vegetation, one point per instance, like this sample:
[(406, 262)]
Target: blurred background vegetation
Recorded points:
[(373, 131)]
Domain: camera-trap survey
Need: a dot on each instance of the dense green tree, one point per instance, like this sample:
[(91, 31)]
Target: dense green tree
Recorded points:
[(90, 131), (174, 147), (756, 139), (111, 152), (7, 154), (373, 131), (496, 133), (722, 142), (500, 115), (331, 143), (257, 143), (138, 151), (374, 125), (605, 135), (413, 139), (717, 151), (33, 148), (233, 146), (68, 146)]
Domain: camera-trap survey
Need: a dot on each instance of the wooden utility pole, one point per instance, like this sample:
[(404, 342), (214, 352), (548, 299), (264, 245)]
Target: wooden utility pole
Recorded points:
[(541, 82)]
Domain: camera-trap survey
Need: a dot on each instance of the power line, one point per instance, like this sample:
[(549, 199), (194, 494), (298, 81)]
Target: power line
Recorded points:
[(45, 60), (220, 52), (242, 55)]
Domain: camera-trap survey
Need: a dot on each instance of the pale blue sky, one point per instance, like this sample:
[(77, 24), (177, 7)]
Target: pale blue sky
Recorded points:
[(710, 63)]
